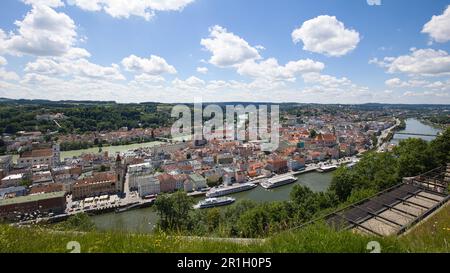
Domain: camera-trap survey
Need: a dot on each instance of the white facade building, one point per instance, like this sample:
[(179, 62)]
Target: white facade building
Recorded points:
[(149, 185), (139, 173)]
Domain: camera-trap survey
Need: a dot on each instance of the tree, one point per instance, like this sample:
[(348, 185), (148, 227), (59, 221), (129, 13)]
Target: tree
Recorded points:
[(253, 223), (174, 211), (414, 157), (342, 183), (78, 222), (213, 181), (312, 133), (374, 140), (213, 218), (440, 148), (26, 182)]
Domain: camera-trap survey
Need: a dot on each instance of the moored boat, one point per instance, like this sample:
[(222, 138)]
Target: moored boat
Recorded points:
[(327, 168), (278, 181), (214, 202), (225, 190)]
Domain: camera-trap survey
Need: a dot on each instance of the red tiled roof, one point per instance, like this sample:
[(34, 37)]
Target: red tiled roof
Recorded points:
[(98, 177), (37, 153)]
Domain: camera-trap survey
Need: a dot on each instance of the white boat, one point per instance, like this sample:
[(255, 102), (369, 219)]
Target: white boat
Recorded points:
[(278, 181), (225, 190), (214, 202), (327, 168)]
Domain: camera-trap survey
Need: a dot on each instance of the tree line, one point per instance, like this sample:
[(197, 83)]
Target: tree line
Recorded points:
[(81, 118)]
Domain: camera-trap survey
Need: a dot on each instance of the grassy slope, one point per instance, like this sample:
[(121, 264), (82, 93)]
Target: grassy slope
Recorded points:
[(431, 236)]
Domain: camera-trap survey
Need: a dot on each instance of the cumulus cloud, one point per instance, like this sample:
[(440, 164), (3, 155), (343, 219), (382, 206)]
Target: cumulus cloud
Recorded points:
[(127, 8), (154, 65), (64, 67), (202, 70), (146, 78), (421, 62), (48, 3), (326, 35), (4, 74), (3, 61), (270, 69), (326, 80), (227, 48), (395, 82), (43, 32), (374, 2), (8, 75), (439, 27), (419, 83), (191, 83)]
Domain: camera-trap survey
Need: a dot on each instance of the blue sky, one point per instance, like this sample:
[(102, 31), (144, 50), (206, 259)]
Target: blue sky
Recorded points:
[(348, 51)]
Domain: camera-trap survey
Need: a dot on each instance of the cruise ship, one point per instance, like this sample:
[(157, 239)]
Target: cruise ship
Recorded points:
[(225, 190), (327, 168), (214, 202), (278, 181)]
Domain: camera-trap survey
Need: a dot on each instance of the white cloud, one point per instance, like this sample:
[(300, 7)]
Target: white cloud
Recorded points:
[(395, 82), (8, 75), (416, 83), (326, 35), (421, 62), (227, 48), (149, 78), (326, 80), (270, 69), (374, 2), (439, 27), (4, 74), (48, 3), (202, 70), (154, 65), (64, 67), (191, 83), (127, 8), (43, 32), (3, 61)]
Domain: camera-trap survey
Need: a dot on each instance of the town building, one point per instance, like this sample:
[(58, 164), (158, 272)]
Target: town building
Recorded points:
[(42, 177), (198, 182), (137, 173), (278, 166), (167, 183), (54, 202), (12, 180), (95, 185), (5, 163), (12, 192), (39, 156), (148, 186)]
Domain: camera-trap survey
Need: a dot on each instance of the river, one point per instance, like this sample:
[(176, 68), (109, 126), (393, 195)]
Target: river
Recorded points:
[(414, 126)]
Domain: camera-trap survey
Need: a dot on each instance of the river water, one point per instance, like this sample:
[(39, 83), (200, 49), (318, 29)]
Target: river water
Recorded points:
[(143, 220), (414, 126)]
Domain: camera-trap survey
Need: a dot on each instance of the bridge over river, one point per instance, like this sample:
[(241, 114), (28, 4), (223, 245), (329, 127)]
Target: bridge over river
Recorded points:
[(416, 134)]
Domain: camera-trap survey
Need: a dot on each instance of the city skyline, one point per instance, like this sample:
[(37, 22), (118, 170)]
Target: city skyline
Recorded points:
[(176, 51)]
